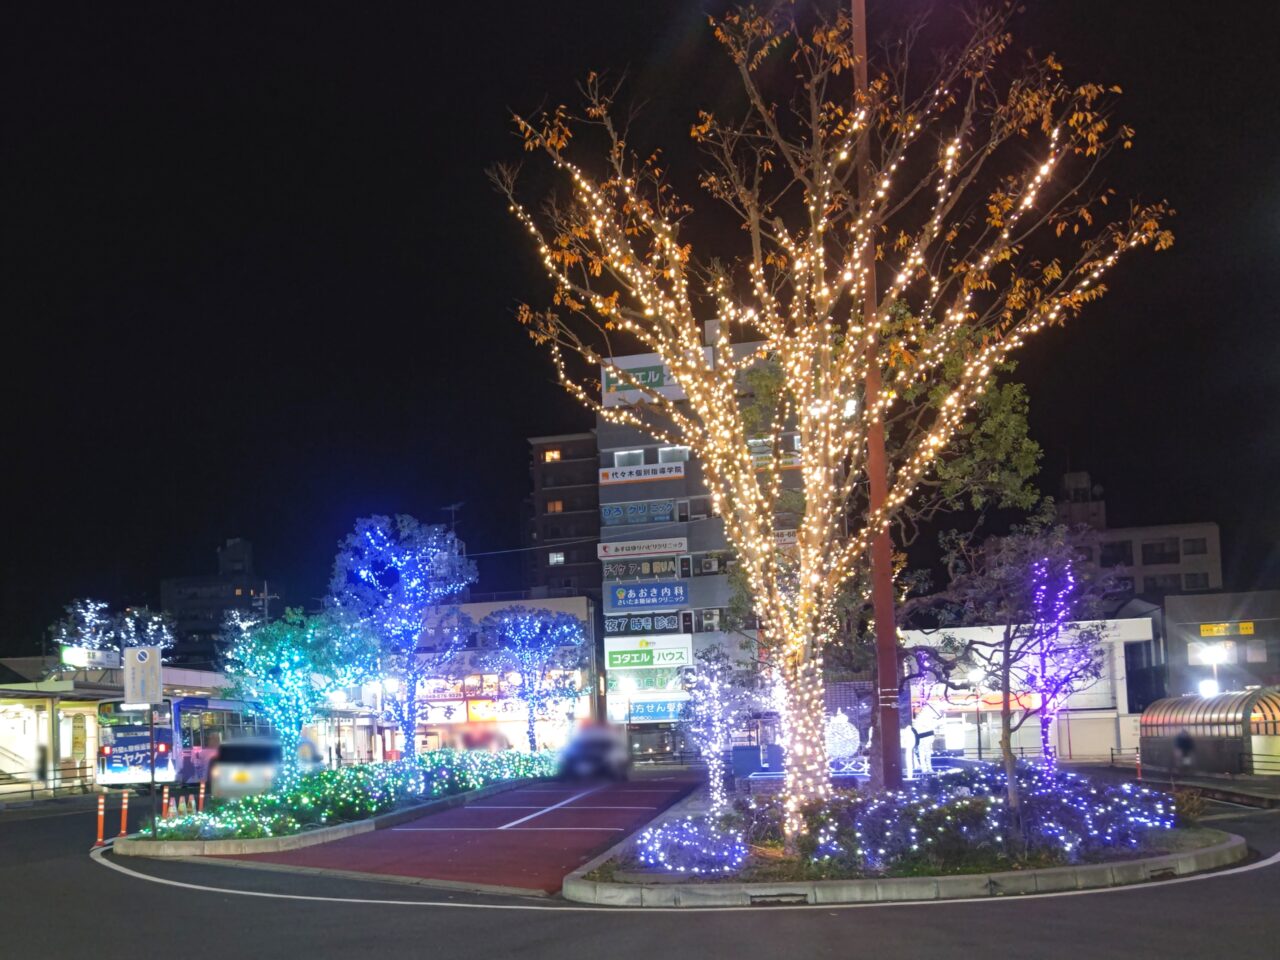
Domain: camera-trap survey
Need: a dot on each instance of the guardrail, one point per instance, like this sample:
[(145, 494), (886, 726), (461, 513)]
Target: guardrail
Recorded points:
[(33, 785)]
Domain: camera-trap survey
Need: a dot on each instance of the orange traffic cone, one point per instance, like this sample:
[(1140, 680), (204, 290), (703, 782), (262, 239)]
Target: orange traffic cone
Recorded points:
[(173, 806)]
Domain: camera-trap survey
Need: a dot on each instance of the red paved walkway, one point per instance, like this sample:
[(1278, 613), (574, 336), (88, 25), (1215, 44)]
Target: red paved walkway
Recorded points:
[(529, 837)]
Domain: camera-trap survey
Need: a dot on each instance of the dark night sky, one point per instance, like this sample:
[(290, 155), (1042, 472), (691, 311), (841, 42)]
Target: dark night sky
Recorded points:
[(257, 285)]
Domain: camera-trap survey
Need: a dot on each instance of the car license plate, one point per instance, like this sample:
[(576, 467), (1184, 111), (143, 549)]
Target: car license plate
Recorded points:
[(241, 776)]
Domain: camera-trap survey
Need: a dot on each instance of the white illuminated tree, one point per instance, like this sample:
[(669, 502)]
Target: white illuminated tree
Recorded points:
[(972, 189), (722, 695), (90, 625)]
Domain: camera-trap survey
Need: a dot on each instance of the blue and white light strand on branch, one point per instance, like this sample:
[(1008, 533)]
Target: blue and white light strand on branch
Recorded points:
[(388, 576), (539, 652), (89, 625)]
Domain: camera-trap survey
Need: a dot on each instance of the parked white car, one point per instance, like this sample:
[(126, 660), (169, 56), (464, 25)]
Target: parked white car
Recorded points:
[(245, 767)]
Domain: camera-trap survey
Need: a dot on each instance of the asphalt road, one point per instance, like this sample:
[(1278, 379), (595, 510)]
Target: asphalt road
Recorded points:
[(55, 901)]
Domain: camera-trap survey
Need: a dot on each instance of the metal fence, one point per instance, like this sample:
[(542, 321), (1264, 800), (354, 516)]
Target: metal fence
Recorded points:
[(33, 785)]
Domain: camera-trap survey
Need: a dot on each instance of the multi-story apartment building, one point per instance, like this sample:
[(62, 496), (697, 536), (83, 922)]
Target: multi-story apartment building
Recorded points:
[(563, 517), (1153, 561), (199, 605), (665, 565)]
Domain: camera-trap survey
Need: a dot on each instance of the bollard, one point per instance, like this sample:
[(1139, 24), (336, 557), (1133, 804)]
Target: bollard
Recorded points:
[(124, 814), (1137, 762), (200, 804), (164, 802), (102, 813)]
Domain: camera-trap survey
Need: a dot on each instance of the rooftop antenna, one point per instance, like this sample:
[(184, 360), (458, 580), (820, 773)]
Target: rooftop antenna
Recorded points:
[(452, 509)]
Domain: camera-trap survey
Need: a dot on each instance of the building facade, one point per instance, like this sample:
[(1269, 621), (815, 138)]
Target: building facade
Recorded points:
[(1090, 724), (199, 605), (1223, 642), (562, 526), (666, 568), (1153, 561)]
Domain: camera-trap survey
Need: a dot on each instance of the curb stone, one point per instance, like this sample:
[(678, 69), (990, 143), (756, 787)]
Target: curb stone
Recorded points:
[(891, 889), (133, 846)]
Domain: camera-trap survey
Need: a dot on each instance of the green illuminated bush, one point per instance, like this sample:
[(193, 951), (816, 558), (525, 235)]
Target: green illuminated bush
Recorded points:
[(354, 793)]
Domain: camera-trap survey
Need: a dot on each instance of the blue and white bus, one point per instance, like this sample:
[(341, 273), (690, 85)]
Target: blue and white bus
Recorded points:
[(189, 731)]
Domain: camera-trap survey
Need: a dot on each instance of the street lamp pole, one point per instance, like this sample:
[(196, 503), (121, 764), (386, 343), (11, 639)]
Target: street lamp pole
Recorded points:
[(877, 467)]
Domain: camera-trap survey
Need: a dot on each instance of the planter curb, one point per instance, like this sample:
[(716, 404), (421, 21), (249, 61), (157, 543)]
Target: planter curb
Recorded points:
[(132, 846), (895, 889)]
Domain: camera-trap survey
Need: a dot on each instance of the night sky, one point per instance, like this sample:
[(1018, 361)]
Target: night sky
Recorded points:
[(257, 285)]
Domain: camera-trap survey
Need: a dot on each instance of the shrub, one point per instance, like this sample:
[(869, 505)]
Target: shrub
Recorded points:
[(354, 793), (1188, 806)]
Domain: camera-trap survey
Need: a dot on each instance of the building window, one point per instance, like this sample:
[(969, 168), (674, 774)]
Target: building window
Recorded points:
[(1195, 545), (628, 458), (673, 454), (1195, 581), (1162, 583), (239, 593), (555, 558), (1117, 553), (550, 456), (1164, 550), (553, 506)]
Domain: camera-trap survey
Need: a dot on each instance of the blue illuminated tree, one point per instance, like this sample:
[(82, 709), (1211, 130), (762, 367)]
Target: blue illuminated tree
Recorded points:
[(388, 577), (541, 652), (89, 625), (291, 665)]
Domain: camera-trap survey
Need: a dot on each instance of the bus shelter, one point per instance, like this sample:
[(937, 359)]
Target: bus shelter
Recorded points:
[(1233, 733)]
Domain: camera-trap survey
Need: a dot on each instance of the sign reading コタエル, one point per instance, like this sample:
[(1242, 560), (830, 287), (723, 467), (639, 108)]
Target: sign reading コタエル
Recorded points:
[(657, 594), (675, 650)]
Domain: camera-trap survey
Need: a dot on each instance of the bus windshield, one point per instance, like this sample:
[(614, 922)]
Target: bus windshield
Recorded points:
[(114, 715)]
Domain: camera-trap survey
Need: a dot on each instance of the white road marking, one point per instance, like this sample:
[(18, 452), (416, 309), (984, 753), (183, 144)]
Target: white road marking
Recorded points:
[(478, 806), (97, 853), (491, 829), (554, 806)]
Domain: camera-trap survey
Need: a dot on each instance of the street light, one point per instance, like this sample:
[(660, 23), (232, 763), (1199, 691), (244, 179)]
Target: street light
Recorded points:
[(975, 678), (1214, 655)]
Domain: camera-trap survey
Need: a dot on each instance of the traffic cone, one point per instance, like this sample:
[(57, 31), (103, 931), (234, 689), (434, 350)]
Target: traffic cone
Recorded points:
[(173, 807)]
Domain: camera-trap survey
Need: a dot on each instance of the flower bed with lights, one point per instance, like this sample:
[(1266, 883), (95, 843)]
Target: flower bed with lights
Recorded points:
[(353, 793), (959, 823)]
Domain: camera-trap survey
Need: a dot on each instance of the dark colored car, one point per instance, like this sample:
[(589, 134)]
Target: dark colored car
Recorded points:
[(595, 753)]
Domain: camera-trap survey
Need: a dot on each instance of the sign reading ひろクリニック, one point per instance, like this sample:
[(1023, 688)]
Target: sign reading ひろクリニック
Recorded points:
[(653, 594)]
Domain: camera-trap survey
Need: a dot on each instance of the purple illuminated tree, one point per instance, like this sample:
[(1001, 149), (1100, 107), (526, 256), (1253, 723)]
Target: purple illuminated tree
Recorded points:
[(1041, 594), (540, 651), (389, 577)]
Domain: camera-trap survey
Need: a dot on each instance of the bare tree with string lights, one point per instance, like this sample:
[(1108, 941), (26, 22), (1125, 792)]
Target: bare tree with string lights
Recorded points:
[(985, 213)]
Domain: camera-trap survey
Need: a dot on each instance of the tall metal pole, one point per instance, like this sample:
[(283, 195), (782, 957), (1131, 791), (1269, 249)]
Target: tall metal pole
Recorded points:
[(877, 467), (151, 730)]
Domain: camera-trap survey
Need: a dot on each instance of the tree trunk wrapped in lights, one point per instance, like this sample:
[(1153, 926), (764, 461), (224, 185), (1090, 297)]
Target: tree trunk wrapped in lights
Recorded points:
[(985, 215)]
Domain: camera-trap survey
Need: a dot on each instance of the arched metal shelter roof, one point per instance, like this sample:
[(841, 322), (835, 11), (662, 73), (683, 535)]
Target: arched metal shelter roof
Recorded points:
[(1251, 712)]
